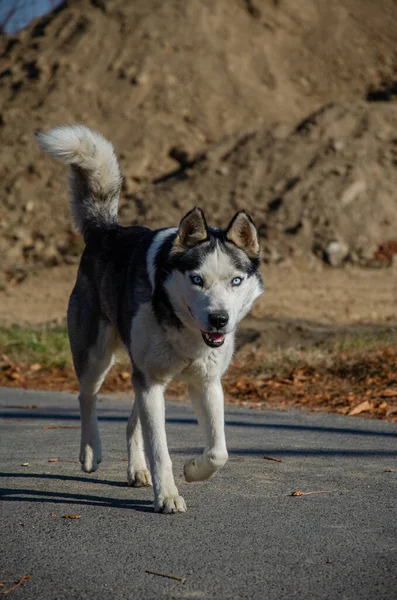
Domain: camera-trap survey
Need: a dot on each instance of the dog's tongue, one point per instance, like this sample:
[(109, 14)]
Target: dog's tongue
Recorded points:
[(214, 336)]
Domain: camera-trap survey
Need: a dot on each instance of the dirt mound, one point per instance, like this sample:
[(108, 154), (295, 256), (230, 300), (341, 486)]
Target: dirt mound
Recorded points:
[(164, 81), (327, 186)]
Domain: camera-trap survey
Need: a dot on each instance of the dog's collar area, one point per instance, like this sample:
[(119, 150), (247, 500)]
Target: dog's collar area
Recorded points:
[(214, 339)]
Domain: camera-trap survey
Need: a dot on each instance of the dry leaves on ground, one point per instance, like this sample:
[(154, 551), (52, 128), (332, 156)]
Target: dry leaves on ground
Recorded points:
[(355, 384)]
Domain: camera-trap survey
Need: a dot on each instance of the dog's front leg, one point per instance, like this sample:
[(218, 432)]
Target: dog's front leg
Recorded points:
[(207, 400), (150, 398)]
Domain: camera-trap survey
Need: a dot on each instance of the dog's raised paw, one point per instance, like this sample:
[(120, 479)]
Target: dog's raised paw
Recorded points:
[(139, 478), (203, 467), (170, 504), (196, 469)]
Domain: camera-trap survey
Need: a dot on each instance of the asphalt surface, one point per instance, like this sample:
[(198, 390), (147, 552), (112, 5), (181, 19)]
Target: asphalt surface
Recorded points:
[(244, 535)]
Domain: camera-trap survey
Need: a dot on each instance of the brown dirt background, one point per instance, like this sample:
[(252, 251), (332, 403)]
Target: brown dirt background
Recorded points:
[(282, 107)]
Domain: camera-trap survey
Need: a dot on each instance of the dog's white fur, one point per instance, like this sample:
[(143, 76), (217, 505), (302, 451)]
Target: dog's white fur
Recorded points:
[(159, 353), (89, 152)]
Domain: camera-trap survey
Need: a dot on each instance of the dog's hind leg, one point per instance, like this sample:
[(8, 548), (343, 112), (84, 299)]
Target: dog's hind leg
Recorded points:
[(207, 400), (138, 474), (93, 343), (100, 358)]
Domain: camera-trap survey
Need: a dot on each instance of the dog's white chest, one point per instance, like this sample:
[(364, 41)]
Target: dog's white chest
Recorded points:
[(212, 364)]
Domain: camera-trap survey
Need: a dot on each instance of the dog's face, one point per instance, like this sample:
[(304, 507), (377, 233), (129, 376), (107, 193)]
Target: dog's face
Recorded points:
[(215, 280)]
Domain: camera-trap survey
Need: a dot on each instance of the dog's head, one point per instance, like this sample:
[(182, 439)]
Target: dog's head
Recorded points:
[(215, 279)]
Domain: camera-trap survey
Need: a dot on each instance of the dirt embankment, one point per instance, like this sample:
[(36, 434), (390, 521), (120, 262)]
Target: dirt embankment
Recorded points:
[(167, 81), (325, 188)]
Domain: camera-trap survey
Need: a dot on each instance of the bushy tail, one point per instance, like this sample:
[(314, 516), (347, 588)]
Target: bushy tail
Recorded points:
[(94, 180)]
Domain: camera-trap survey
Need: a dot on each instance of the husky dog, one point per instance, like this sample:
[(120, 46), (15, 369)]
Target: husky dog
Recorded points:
[(173, 297)]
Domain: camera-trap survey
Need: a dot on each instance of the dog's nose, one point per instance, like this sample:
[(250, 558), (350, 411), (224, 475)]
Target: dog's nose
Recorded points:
[(218, 319)]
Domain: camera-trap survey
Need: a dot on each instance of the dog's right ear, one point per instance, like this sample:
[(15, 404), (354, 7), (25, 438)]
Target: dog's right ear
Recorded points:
[(192, 230)]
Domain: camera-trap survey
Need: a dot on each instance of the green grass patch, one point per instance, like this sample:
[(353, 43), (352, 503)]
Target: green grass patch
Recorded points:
[(48, 346), (360, 342)]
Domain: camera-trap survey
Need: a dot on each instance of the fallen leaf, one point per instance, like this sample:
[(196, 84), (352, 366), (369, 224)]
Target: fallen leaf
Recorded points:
[(53, 514), (300, 493), (126, 459), (389, 470), (72, 516), (25, 464), (53, 459), (362, 407), (35, 367), (272, 458), (388, 393), (5, 362), (17, 376), (124, 375)]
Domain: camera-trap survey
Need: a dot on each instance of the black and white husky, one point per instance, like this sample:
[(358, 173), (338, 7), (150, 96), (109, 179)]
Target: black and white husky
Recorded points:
[(173, 297)]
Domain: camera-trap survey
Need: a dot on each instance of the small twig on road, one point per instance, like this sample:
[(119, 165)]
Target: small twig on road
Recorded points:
[(54, 460), (167, 575), (61, 427), (272, 458), (300, 493), (23, 406), (17, 583)]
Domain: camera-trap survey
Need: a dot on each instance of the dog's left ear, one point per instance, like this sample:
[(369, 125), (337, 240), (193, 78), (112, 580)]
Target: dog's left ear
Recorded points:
[(242, 232), (192, 230)]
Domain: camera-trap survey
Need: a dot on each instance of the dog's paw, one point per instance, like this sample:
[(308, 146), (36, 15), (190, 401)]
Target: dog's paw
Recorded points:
[(192, 472), (203, 467), (90, 458), (139, 478), (170, 504), (196, 469)]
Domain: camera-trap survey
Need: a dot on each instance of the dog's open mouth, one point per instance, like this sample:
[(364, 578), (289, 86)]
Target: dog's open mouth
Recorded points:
[(213, 338)]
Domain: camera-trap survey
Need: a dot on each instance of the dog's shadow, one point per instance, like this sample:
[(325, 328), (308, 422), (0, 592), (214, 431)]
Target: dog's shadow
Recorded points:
[(40, 496)]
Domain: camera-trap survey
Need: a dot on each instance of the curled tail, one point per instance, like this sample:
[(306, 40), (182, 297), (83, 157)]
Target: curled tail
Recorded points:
[(94, 179)]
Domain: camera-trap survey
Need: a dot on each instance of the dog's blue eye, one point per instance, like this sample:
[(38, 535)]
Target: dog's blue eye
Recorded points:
[(237, 281), (196, 280)]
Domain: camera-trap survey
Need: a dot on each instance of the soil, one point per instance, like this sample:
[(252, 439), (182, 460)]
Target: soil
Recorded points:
[(284, 107), (221, 92), (324, 188)]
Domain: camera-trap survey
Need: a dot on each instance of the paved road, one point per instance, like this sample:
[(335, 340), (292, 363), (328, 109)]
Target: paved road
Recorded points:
[(243, 536)]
